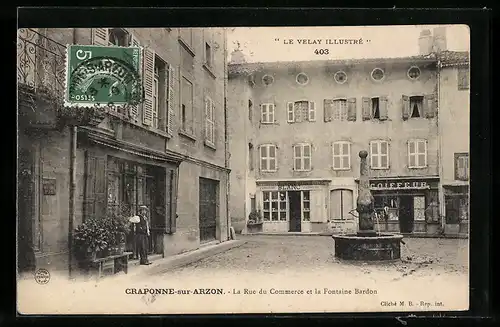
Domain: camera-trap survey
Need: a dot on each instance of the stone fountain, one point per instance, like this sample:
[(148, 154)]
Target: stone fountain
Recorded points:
[(367, 244)]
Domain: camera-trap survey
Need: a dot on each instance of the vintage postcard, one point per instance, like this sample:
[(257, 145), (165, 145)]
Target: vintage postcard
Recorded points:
[(243, 170)]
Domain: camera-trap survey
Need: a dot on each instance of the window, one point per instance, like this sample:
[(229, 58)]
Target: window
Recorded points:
[(302, 79), (375, 108), (209, 121), (379, 155), (250, 156), (268, 157), (306, 206), (419, 207), (462, 166), (118, 37), (208, 54), (187, 35), (187, 106), (377, 74), (340, 77), (341, 204), (416, 107), (463, 78), (302, 157), (340, 109), (413, 73), (267, 80), (417, 154), (250, 109), (274, 206), (299, 111), (341, 155), (267, 113)]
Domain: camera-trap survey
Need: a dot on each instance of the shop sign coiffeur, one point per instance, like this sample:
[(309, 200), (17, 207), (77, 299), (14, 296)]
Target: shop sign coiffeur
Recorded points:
[(400, 185)]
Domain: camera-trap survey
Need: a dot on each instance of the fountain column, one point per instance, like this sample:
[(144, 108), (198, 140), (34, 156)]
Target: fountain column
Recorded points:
[(365, 201)]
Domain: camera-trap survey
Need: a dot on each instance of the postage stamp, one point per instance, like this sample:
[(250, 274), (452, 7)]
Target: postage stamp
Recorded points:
[(103, 76)]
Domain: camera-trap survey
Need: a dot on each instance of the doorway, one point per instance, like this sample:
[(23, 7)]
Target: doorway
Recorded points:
[(208, 209), (294, 211), (406, 214)]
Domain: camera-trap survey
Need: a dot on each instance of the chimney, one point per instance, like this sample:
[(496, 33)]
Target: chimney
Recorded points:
[(237, 57), (439, 42), (425, 42)]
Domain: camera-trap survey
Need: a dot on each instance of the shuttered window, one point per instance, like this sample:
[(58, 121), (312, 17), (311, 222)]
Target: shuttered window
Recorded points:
[(267, 113), (302, 157), (463, 78), (209, 121), (341, 204), (341, 155), (268, 157), (379, 154), (417, 154), (462, 166)]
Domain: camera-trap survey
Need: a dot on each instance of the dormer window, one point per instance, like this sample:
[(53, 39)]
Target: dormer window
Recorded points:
[(377, 74), (414, 73), (340, 77), (302, 79), (267, 80)]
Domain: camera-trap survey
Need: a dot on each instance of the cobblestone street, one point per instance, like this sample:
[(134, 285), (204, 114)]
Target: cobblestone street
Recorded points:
[(275, 254)]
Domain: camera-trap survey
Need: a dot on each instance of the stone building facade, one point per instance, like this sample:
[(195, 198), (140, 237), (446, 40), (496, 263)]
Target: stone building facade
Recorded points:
[(171, 155), (297, 127)]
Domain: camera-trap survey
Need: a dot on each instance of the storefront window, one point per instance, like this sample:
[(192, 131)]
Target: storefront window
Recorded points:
[(419, 208), (306, 206), (274, 206)]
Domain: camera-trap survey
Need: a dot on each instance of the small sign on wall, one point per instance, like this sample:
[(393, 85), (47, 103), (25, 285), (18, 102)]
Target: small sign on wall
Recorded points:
[(49, 186)]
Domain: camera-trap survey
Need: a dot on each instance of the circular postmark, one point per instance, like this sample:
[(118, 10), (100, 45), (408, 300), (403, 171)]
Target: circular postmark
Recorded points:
[(42, 276), (105, 80)]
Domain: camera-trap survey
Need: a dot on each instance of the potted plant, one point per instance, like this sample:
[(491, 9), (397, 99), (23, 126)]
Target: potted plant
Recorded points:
[(119, 227), (254, 223), (91, 239)]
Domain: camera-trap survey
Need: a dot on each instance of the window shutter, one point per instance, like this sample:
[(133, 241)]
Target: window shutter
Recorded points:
[(148, 75), (95, 186), (351, 109), (317, 207), (366, 114), (383, 108), (298, 112), (100, 36), (271, 112), (327, 110), (262, 113), (171, 198), (290, 113), (406, 107), (171, 97), (212, 126), (429, 106), (207, 115), (133, 111), (312, 111)]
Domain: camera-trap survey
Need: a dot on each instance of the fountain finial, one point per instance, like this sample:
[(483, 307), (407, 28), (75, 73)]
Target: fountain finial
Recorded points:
[(363, 154)]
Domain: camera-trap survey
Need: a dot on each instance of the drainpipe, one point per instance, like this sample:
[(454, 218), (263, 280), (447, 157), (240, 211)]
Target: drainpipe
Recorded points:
[(440, 148), (226, 138), (72, 187)]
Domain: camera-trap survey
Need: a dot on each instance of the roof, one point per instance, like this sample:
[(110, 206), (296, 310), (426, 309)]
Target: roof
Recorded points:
[(251, 67), (454, 58)]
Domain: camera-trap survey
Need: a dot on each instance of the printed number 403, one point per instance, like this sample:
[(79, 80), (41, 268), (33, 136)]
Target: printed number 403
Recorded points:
[(321, 51)]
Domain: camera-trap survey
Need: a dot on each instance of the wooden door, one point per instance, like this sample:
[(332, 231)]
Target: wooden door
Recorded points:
[(208, 209)]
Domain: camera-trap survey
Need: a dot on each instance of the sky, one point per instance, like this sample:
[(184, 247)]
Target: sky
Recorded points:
[(261, 44)]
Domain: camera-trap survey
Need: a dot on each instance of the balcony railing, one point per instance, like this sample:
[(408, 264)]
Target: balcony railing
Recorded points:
[(40, 63)]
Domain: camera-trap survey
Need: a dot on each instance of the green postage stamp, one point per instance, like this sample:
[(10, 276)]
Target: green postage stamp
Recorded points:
[(98, 76)]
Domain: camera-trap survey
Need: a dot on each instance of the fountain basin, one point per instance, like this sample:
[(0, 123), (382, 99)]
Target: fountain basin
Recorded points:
[(378, 247)]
